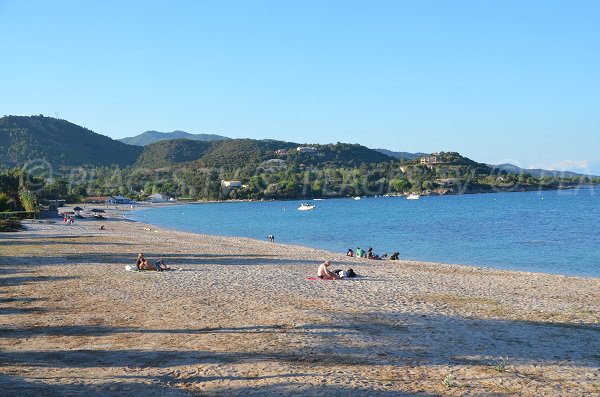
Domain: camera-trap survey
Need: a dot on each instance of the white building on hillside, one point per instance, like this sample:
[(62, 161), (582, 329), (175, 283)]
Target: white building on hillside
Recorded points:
[(231, 184), (306, 149)]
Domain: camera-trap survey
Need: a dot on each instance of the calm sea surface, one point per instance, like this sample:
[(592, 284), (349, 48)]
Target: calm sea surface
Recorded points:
[(551, 232)]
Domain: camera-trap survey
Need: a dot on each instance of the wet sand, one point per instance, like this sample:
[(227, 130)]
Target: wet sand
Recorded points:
[(238, 317)]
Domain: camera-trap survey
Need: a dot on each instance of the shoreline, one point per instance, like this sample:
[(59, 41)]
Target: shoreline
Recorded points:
[(240, 318), (343, 254), (327, 253)]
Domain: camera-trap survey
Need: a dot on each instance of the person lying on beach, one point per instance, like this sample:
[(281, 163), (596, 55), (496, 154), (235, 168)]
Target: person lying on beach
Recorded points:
[(325, 273), (160, 265), (143, 264), (344, 273)]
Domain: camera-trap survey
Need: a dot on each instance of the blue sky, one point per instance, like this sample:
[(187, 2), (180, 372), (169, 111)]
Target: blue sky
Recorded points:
[(498, 81)]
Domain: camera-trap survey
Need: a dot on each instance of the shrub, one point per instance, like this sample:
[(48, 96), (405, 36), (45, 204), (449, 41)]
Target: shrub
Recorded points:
[(10, 226)]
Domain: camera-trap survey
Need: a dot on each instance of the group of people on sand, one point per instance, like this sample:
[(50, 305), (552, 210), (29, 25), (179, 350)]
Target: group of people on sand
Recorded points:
[(143, 264), (361, 253), (326, 274)]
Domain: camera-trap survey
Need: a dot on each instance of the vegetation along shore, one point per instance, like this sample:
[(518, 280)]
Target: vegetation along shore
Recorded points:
[(55, 159)]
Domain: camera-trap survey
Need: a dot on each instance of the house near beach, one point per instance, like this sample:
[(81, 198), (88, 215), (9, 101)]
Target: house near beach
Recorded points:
[(118, 200), (54, 204), (231, 184), (96, 199), (228, 186), (158, 198)]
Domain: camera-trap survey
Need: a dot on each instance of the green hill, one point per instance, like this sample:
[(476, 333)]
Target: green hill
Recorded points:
[(347, 154), (174, 151), (61, 143), (149, 137), (236, 153), (243, 152)]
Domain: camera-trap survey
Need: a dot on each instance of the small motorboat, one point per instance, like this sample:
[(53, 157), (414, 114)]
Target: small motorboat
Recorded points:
[(357, 198), (306, 207), (413, 196)]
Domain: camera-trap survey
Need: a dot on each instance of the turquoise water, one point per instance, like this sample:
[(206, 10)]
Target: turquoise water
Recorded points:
[(550, 232)]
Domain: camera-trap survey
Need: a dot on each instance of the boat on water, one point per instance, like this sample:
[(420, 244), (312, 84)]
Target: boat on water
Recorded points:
[(357, 198), (306, 207), (413, 196)]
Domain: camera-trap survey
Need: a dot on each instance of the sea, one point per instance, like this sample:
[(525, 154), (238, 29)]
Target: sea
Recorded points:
[(556, 232)]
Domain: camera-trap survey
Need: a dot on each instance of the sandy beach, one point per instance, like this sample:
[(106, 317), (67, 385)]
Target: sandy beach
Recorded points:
[(239, 317)]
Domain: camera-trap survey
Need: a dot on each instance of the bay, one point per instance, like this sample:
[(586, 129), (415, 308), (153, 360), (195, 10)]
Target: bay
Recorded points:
[(553, 232)]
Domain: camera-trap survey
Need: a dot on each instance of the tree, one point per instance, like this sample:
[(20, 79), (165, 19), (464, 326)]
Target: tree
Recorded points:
[(55, 190), (9, 184), (4, 202), (400, 185), (28, 200)]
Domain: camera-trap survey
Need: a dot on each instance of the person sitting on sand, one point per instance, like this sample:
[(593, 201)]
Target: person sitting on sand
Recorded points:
[(360, 252), (325, 273), (143, 264), (350, 252)]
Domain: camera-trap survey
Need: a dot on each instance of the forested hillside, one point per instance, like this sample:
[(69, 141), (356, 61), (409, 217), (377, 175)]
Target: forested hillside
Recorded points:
[(175, 151), (83, 163), (237, 153), (60, 143)]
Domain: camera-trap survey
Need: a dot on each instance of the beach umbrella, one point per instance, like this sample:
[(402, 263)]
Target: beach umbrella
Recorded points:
[(98, 211), (77, 209)]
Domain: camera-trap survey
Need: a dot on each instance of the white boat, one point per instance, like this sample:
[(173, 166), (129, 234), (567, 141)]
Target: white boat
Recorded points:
[(413, 196), (357, 198), (306, 207)]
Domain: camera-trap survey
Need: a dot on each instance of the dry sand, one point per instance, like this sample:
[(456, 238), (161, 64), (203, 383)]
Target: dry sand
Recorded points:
[(240, 318)]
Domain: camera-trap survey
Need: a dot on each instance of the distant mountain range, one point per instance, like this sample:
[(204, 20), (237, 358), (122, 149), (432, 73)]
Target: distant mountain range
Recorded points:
[(537, 172), (149, 137), (402, 155), (64, 144), (510, 168)]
